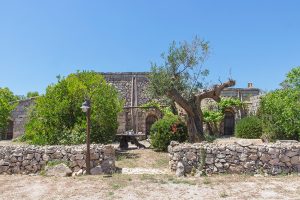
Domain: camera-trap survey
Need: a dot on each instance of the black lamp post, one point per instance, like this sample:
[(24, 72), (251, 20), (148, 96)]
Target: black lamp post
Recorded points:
[(86, 107)]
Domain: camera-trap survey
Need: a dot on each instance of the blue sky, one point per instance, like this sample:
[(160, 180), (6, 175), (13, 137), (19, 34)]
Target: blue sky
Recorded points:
[(255, 40)]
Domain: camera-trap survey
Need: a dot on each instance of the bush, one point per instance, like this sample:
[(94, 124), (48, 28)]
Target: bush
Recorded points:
[(280, 114), (6, 106), (169, 128), (249, 127), (57, 117)]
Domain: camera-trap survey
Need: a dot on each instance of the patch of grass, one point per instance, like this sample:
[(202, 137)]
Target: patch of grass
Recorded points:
[(116, 186), (57, 162), (129, 160), (223, 194), (110, 193), (149, 177), (161, 163), (183, 181), (206, 181)]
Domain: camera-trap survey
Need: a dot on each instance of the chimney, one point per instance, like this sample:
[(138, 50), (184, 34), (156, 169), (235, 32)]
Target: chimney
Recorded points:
[(250, 85)]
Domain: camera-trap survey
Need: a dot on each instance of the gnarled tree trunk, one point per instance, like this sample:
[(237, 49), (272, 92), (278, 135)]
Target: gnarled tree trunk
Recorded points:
[(193, 109)]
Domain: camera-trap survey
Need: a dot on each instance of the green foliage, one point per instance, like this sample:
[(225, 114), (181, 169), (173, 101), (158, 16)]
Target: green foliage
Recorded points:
[(229, 103), (167, 129), (151, 104), (280, 113), (215, 114), (32, 94), (249, 127), (7, 104), (58, 119), (212, 116), (292, 79), (165, 110), (181, 70), (210, 138)]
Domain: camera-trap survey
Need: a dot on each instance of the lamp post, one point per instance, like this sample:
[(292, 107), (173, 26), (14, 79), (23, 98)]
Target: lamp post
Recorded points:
[(86, 108)]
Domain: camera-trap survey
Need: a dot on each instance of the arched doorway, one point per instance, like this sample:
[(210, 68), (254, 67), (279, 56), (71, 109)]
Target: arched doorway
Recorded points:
[(150, 120), (229, 121)]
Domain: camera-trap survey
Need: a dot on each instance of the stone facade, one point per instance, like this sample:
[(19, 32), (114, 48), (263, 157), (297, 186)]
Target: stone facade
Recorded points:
[(241, 157), (132, 87), (253, 104), (20, 115), (31, 159)]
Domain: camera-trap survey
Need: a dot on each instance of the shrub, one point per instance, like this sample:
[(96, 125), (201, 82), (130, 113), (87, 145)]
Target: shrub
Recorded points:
[(249, 127), (167, 129), (279, 111), (57, 118), (6, 106)]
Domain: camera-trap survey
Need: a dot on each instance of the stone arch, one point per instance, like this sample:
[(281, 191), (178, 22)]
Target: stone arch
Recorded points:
[(229, 122), (150, 120)]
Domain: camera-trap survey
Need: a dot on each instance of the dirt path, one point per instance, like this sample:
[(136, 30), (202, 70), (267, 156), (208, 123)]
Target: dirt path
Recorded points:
[(163, 187)]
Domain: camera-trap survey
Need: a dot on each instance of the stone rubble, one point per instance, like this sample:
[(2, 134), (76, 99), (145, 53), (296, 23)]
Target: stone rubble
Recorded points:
[(240, 157), (32, 159)]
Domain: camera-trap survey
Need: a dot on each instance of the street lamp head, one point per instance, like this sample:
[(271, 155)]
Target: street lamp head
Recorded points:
[(85, 106)]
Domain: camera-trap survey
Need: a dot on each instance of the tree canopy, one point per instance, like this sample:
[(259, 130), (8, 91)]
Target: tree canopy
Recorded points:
[(7, 104), (181, 78), (57, 117), (32, 94), (280, 109), (292, 79)]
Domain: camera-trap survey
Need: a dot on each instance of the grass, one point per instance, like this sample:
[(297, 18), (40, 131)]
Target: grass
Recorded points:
[(206, 181), (145, 158), (57, 162), (223, 194), (164, 179)]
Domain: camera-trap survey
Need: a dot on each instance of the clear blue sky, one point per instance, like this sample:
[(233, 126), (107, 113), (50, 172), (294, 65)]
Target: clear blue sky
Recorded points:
[(257, 40)]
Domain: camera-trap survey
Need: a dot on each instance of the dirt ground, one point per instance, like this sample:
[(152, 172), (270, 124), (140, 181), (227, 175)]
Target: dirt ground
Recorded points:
[(149, 187)]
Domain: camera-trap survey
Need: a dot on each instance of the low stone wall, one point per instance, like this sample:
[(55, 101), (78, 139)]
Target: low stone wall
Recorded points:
[(240, 157), (31, 159)]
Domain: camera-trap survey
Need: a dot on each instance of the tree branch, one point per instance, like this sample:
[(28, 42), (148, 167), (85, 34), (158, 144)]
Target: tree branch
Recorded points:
[(175, 96), (215, 92)]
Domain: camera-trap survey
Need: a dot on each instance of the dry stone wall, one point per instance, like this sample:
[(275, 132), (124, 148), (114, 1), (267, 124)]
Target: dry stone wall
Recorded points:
[(241, 157), (31, 159)]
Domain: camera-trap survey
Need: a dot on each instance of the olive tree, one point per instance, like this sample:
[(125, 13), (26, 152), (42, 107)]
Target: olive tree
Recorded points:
[(181, 78)]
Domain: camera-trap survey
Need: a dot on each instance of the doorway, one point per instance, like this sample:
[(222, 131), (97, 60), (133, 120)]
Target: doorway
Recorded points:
[(150, 120), (229, 122)]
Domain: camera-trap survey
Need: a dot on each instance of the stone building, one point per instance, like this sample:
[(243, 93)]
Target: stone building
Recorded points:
[(132, 87)]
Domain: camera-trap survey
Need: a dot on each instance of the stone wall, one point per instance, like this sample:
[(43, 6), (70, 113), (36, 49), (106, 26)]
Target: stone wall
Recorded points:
[(240, 157), (31, 159)]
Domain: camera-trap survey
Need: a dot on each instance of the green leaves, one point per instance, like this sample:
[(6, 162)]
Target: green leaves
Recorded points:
[(249, 128), (182, 69), (292, 79), (280, 112), (57, 117), (7, 104), (169, 128)]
